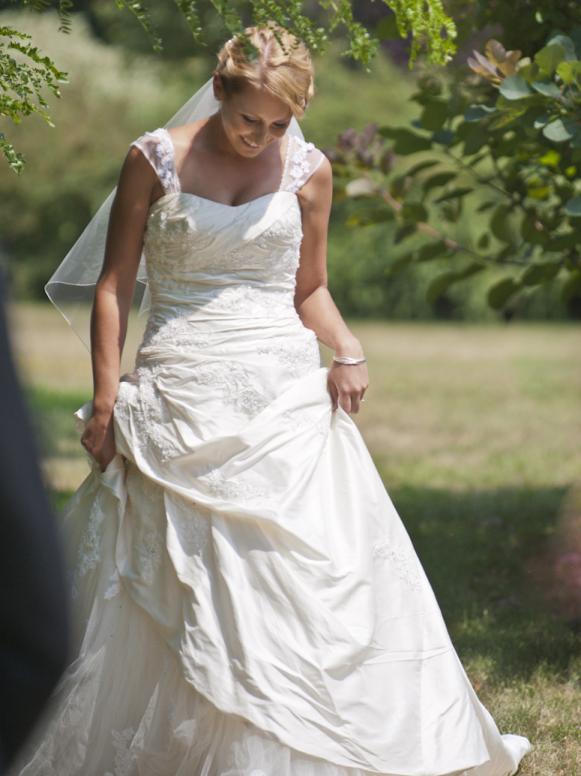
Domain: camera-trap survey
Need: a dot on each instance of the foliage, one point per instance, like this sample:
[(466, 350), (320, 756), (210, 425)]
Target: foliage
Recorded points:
[(73, 166), (520, 24), (21, 83), (514, 162), (425, 20)]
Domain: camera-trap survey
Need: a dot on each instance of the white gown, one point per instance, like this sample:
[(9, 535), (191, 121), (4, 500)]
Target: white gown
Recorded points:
[(247, 599)]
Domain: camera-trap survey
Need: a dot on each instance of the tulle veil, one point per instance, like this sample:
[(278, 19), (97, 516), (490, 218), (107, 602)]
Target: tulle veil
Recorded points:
[(71, 287)]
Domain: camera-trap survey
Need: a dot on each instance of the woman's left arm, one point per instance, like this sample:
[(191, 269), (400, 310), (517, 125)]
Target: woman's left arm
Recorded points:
[(346, 382)]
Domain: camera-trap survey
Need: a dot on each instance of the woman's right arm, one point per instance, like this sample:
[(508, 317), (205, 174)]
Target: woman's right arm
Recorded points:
[(113, 295)]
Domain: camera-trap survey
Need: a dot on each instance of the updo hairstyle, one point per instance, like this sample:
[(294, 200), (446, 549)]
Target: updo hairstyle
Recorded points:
[(286, 71)]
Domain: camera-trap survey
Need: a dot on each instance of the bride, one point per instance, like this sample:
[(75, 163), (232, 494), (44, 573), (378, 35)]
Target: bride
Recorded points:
[(247, 599)]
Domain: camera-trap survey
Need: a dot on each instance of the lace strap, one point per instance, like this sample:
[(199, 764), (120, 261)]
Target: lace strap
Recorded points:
[(157, 147), (302, 160)]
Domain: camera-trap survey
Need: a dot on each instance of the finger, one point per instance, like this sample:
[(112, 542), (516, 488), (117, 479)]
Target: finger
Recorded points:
[(333, 393), (345, 401)]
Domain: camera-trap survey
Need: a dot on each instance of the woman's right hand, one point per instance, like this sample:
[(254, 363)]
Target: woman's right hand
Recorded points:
[(98, 439)]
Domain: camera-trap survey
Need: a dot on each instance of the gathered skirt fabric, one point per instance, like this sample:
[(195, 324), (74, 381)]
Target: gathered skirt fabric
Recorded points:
[(247, 599)]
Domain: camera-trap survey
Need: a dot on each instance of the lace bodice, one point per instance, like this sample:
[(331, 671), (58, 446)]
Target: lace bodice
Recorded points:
[(204, 254), (301, 160)]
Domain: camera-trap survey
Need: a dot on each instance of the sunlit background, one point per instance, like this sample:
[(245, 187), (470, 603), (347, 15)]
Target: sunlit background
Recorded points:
[(473, 415)]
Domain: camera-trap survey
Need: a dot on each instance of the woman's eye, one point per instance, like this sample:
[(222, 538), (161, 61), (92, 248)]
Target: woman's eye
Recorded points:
[(253, 121)]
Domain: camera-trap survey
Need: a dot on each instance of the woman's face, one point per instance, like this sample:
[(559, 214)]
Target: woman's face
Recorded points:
[(252, 118)]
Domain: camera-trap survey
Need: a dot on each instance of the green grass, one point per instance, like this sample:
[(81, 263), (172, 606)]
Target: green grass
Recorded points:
[(475, 430)]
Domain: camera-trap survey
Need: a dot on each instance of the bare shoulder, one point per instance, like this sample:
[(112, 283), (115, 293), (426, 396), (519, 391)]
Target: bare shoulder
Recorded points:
[(136, 169), (317, 192)]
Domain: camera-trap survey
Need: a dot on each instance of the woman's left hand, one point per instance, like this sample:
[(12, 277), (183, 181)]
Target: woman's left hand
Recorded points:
[(347, 384)]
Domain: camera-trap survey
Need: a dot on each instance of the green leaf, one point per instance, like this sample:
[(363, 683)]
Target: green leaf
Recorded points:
[(403, 232), (566, 44), (514, 87), (546, 88), (549, 57), (533, 230), (444, 137), (571, 286), (541, 120), (500, 224), (415, 169), (420, 166), (550, 158), (442, 282), (499, 294), (505, 117), (434, 115), (434, 250), (483, 241), (380, 215), (405, 141), (438, 285), (475, 136), (562, 242), (414, 212), (439, 179), (399, 263), (454, 194), (478, 112), (569, 72), (558, 130), (573, 207), (540, 192), (539, 273)]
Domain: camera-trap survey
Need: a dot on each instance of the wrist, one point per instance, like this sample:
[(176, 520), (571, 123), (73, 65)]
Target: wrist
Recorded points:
[(102, 410), (349, 347)]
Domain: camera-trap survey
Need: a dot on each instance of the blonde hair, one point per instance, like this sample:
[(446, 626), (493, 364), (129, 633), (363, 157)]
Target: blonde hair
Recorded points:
[(285, 70)]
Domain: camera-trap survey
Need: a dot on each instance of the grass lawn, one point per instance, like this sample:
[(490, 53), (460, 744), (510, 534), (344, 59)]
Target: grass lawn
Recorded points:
[(476, 431)]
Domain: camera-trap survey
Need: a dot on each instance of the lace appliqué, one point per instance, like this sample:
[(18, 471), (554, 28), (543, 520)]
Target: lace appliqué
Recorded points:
[(89, 553), (232, 487), (194, 531), (157, 148), (237, 384), (114, 586), (403, 559), (298, 356), (252, 301), (150, 554), (145, 404), (179, 332), (299, 165), (121, 743)]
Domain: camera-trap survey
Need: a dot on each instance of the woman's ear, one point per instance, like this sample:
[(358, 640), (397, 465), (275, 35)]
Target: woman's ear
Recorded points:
[(218, 87)]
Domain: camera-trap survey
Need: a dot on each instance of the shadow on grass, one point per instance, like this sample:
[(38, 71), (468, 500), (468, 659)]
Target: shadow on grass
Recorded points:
[(476, 549)]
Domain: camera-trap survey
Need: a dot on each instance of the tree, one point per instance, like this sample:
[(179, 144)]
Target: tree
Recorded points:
[(502, 145), (24, 71)]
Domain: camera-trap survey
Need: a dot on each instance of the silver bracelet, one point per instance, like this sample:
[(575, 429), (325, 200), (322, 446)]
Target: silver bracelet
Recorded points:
[(348, 360)]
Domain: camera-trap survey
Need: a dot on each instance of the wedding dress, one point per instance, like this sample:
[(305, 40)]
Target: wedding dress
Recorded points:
[(247, 599)]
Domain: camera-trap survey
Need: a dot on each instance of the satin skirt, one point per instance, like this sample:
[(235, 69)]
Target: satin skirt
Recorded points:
[(247, 600)]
